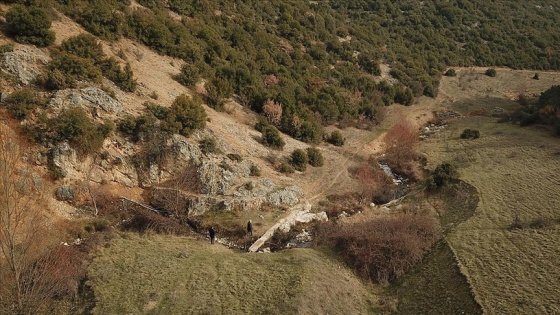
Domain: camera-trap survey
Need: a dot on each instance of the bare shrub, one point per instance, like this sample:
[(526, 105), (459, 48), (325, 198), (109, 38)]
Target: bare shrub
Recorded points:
[(335, 205), (143, 220), (400, 144), (383, 248), (375, 185), (272, 111)]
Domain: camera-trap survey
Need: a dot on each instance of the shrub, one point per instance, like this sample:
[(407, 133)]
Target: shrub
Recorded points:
[(309, 132), (85, 46), (254, 170), (470, 134), (375, 185), (9, 47), (22, 102), (209, 145), (29, 25), (72, 125), (315, 157), (124, 79), (383, 248), (536, 76), (54, 79), (299, 160), (185, 116), (189, 75), (271, 138), (76, 67), (491, 72), (286, 168), (136, 126), (450, 73), (82, 133), (273, 112), (442, 175), (336, 138)]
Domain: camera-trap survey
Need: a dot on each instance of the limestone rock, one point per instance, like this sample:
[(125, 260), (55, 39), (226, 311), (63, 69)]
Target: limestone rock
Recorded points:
[(90, 97), (287, 196), (214, 180), (24, 63), (63, 159)]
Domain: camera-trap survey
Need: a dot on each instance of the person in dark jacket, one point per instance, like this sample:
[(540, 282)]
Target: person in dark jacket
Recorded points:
[(250, 228), (212, 234)]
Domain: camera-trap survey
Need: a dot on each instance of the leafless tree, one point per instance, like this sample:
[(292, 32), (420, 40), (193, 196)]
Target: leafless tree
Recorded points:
[(31, 271)]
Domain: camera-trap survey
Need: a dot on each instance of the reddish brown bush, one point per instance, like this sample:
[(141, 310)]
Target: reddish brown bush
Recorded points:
[(399, 145), (375, 185), (384, 248), (273, 112), (143, 220)]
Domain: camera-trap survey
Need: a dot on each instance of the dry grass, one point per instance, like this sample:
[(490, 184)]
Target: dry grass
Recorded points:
[(515, 171), (182, 275)]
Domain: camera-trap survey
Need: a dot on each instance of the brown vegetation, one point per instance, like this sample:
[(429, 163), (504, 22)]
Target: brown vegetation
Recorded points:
[(32, 270), (400, 146), (383, 248)]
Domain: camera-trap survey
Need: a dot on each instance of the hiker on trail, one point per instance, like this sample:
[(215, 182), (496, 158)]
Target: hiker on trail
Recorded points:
[(212, 233), (250, 228)]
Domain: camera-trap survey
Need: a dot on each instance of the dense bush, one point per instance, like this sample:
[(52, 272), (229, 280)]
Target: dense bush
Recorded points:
[(470, 134), (209, 145), (399, 145), (185, 116), (315, 157), (29, 25), (299, 160), (336, 138), (271, 138), (75, 126), (74, 67), (137, 127), (450, 73), (22, 102), (383, 248), (442, 175), (81, 57), (491, 72)]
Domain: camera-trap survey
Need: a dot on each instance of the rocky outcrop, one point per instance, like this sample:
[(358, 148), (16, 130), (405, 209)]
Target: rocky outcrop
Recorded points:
[(63, 159), (286, 196), (90, 97), (65, 193), (24, 63)]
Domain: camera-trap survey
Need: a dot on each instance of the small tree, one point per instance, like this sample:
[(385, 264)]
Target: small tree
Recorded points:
[(271, 138), (336, 138), (185, 116), (315, 157), (299, 160)]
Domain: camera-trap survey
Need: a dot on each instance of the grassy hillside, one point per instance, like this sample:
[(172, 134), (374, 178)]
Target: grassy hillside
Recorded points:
[(511, 271), (178, 275)]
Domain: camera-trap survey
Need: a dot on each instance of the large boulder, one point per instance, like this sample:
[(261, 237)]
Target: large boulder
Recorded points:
[(286, 196), (63, 160), (90, 97), (25, 63)]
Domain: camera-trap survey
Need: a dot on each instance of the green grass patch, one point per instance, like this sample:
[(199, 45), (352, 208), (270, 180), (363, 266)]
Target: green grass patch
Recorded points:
[(184, 275)]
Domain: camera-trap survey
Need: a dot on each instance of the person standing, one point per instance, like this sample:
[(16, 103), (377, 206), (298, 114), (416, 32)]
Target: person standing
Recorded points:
[(212, 234), (250, 228)]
